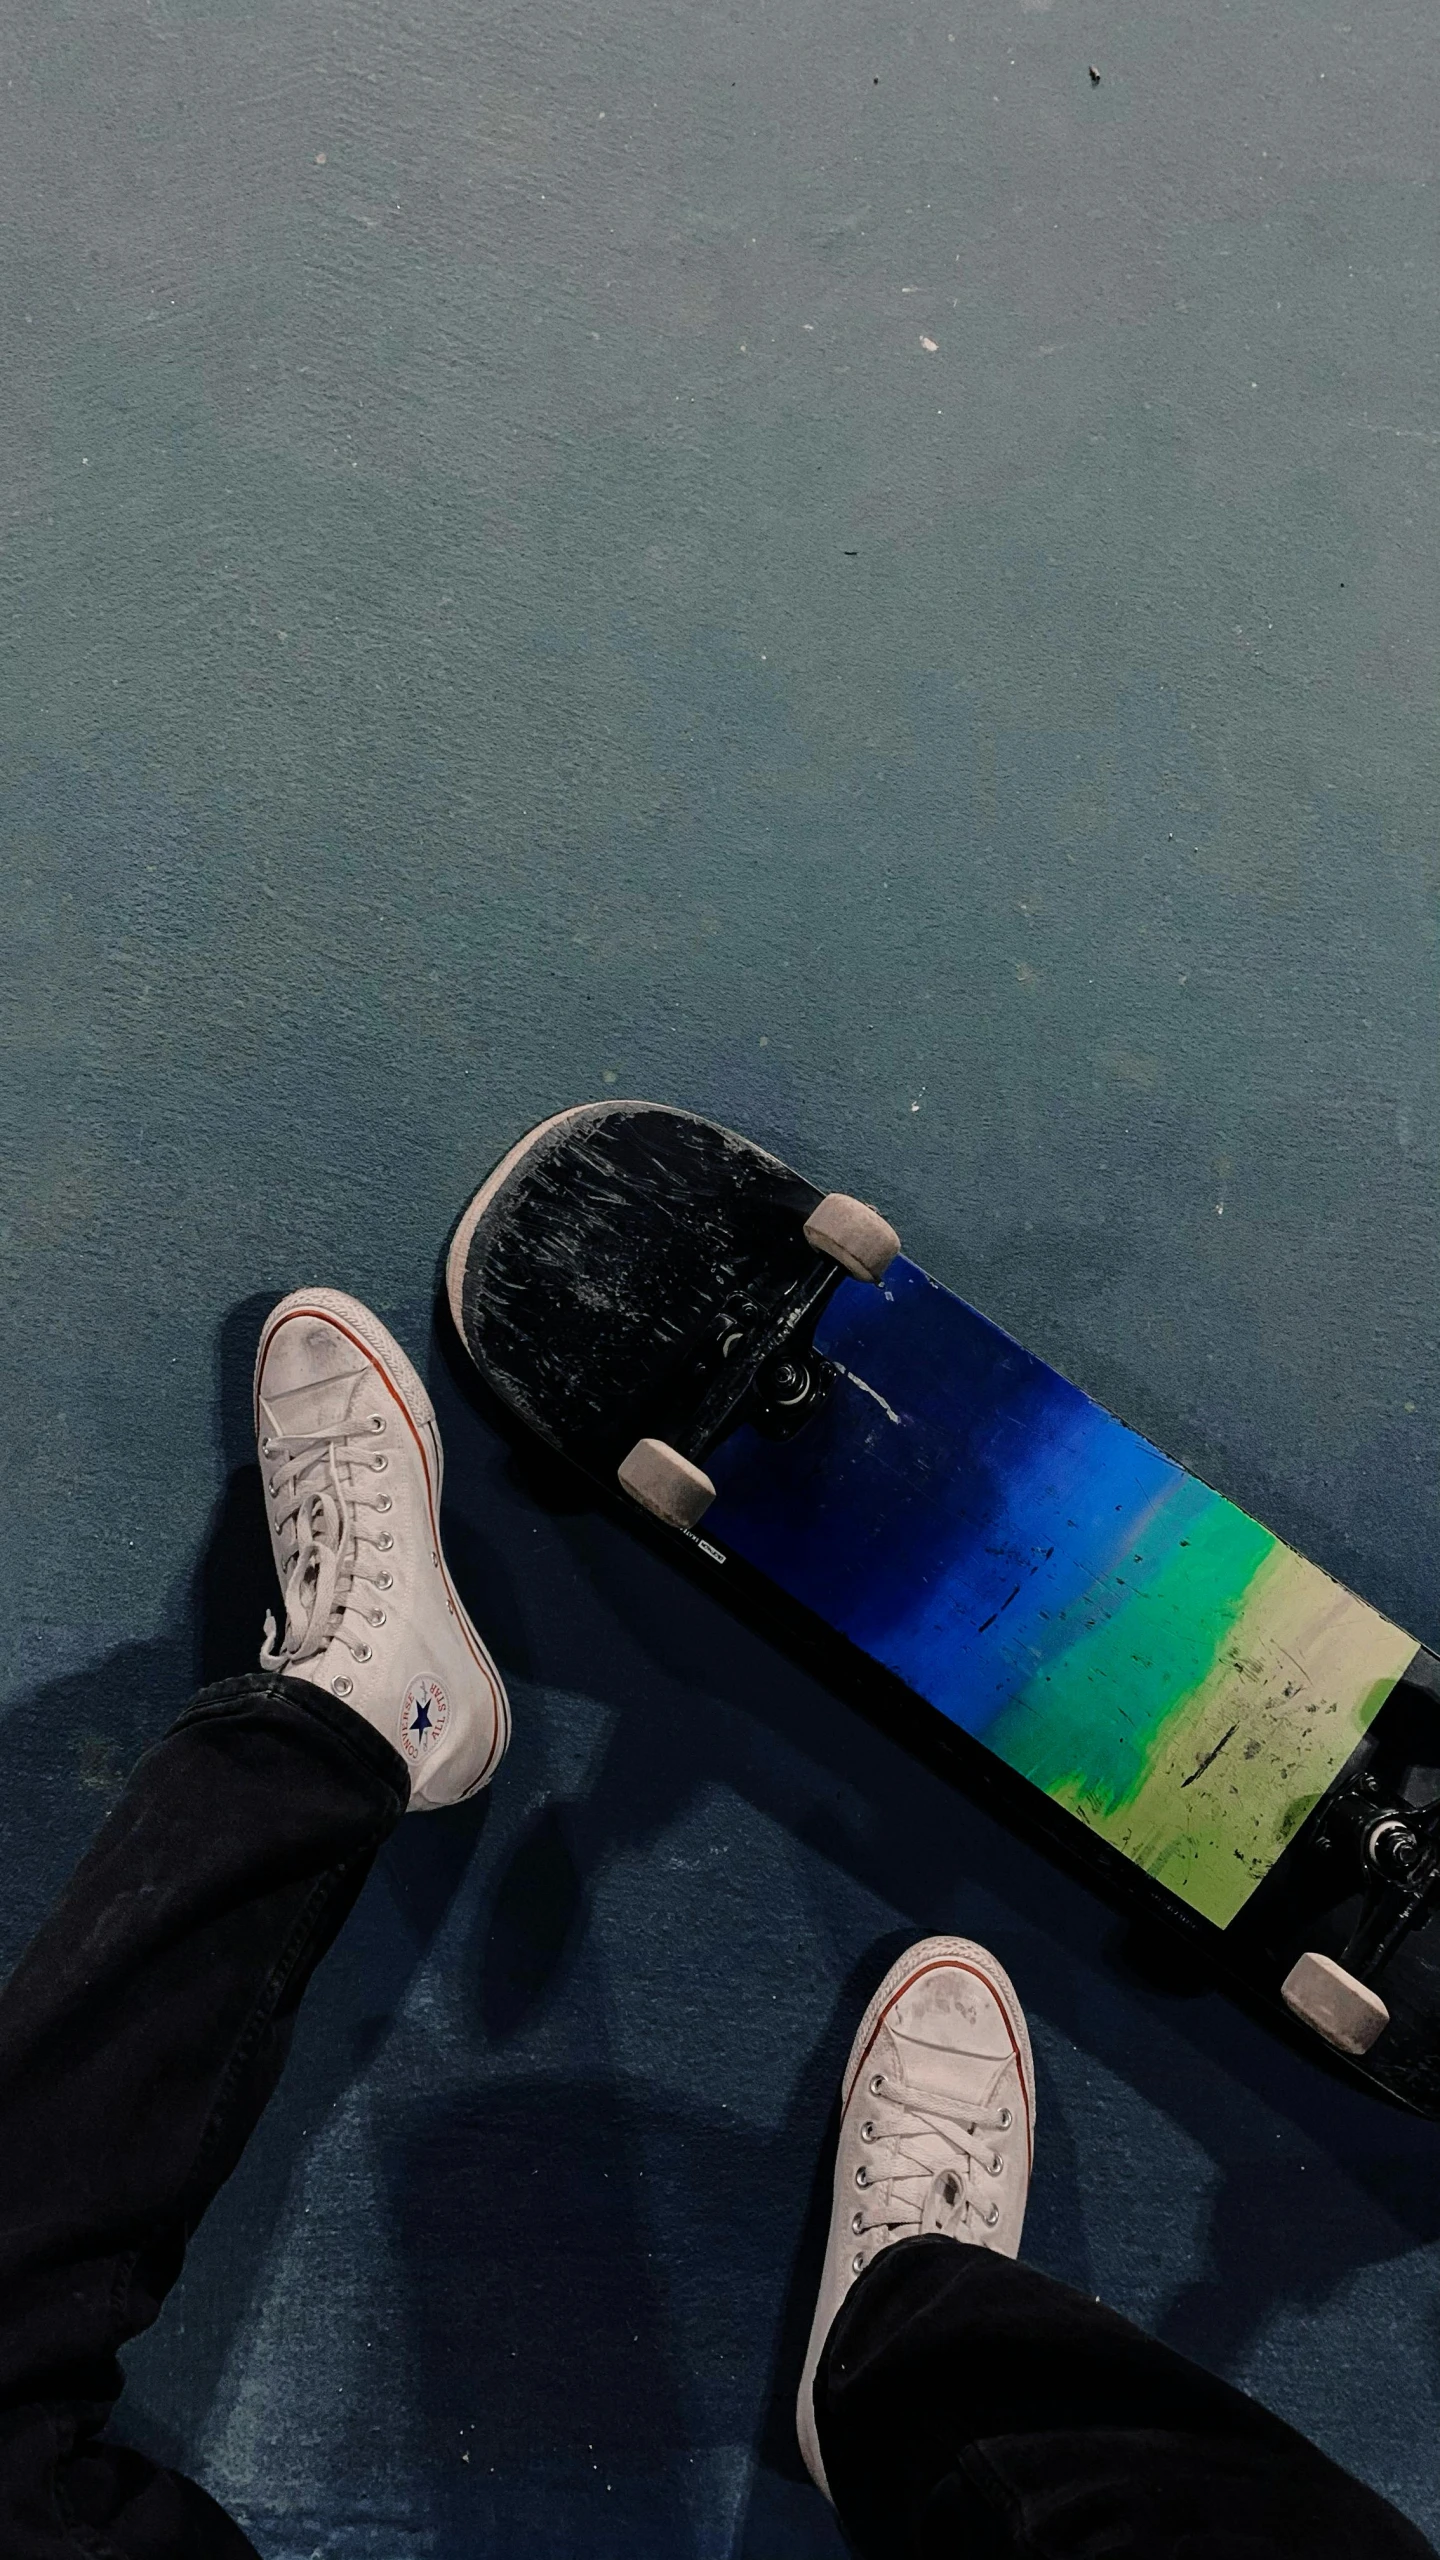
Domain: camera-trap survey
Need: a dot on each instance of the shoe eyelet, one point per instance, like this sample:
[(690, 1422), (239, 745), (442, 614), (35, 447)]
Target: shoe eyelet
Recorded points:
[(877, 2084), (377, 1421), (385, 1543), (267, 1446), (380, 1464), (1006, 2119), (867, 2130), (342, 1687), (279, 1524), (991, 2218), (995, 2166), (857, 2224), (274, 1484), (386, 1581), (364, 1653), (857, 2266), (377, 1619), (862, 2176), (384, 1503)]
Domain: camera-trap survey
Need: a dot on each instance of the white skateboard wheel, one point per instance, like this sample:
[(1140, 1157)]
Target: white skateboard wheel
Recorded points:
[(1345, 2012), (853, 1235), (661, 1481)]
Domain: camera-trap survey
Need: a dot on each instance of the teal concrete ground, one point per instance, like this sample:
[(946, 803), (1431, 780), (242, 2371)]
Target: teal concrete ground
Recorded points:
[(823, 566)]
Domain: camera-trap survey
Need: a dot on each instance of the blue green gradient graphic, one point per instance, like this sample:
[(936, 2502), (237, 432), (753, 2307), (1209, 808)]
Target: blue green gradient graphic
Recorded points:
[(1110, 1627)]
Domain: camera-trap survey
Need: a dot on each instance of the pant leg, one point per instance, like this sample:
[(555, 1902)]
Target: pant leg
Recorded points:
[(140, 2036), (967, 2405)]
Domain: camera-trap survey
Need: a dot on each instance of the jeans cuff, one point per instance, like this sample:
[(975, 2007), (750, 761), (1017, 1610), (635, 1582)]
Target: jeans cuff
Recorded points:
[(254, 1689)]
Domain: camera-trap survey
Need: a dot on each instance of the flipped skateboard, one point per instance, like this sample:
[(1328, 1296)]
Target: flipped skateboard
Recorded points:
[(1125, 1658)]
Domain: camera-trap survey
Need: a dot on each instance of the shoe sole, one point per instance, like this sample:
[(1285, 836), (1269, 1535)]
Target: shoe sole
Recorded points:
[(924, 1957), (369, 1336), (470, 1217)]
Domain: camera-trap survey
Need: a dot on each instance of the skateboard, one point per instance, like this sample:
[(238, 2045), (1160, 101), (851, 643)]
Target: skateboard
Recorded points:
[(1124, 1658)]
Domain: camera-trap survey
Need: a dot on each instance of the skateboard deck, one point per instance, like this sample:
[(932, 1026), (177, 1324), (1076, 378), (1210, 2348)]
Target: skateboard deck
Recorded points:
[(1175, 1695)]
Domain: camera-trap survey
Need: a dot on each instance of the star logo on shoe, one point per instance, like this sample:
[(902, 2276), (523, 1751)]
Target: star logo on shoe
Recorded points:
[(423, 1718)]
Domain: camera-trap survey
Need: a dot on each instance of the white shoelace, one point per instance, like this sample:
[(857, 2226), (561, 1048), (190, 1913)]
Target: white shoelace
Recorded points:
[(930, 2192), (316, 1502)]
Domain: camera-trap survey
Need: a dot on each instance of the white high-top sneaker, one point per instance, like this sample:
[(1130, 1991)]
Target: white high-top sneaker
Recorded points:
[(352, 1465), (937, 2128)]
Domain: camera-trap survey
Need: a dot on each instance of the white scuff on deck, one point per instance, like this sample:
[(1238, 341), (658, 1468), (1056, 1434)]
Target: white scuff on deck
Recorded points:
[(867, 1390)]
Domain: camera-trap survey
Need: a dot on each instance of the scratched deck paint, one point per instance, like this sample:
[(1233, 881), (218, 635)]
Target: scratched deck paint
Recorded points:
[(1105, 1623)]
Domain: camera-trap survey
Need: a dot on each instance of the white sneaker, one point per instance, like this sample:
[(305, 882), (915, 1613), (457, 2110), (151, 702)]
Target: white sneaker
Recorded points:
[(937, 2128), (352, 1465)]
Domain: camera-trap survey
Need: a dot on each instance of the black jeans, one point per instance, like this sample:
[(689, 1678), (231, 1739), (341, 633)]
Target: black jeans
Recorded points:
[(966, 2406), (1019, 2417)]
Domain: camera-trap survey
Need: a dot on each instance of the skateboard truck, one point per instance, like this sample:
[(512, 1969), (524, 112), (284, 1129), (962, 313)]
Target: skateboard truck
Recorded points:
[(786, 1392), (1397, 1849), (784, 1385)]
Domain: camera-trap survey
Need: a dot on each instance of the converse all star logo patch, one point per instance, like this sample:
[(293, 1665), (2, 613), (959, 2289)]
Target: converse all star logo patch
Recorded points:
[(423, 1718)]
